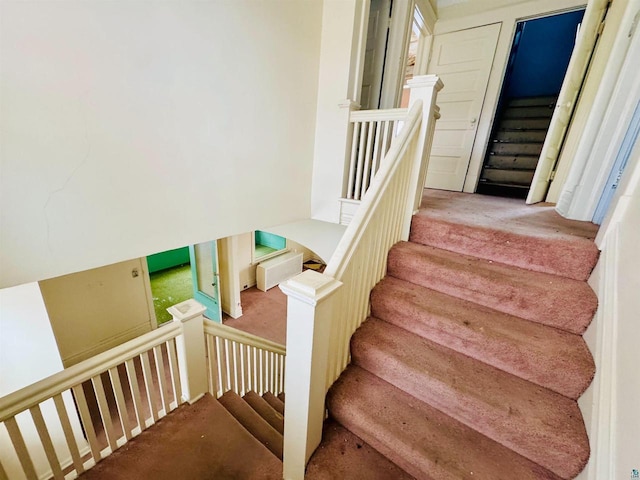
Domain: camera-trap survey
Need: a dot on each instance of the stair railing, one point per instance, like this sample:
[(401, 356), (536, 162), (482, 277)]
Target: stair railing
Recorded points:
[(64, 424), (240, 361), (324, 310)]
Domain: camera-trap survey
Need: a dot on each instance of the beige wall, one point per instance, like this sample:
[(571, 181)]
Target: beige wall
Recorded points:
[(135, 127), (97, 309)]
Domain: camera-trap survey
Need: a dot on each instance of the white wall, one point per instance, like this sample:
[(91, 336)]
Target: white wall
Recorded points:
[(28, 353), (610, 406), (340, 77), (130, 128)]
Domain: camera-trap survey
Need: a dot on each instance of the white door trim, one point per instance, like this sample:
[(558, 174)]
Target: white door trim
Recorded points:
[(603, 134)]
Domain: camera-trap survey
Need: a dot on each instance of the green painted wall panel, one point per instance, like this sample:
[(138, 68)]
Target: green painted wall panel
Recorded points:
[(270, 240), (168, 259)]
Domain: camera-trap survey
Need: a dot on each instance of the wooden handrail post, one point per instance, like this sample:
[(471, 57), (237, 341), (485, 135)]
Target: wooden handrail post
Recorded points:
[(424, 88), (190, 348), (309, 317)]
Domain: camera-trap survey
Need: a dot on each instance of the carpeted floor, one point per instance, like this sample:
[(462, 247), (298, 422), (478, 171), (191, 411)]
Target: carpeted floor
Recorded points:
[(263, 314), (168, 287)]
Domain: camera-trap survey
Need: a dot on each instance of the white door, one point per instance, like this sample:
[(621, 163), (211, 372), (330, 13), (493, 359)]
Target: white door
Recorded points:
[(463, 61), (379, 15), (576, 71)]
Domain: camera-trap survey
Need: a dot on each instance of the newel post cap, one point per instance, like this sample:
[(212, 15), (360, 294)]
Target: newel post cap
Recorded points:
[(310, 287), (421, 81), (186, 310)]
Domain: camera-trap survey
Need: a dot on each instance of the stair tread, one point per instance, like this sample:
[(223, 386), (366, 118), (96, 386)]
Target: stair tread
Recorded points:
[(420, 439), (543, 355), (556, 301), (532, 237), (173, 448), (343, 455), (266, 411), (539, 424), (275, 402), (253, 422)]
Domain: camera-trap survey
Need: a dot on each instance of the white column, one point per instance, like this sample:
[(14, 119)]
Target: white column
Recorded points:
[(424, 88), (191, 351), (309, 316)]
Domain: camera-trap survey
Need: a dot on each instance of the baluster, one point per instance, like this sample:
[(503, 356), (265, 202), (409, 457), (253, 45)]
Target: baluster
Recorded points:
[(162, 380), (47, 444), (366, 172), (360, 167), (21, 449), (385, 139), (152, 395), (221, 367), (377, 152), (353, 160), (68, 433), (135, 394), (175, 372), (213, 365), (87, 424), (103, 406), (114, 375)]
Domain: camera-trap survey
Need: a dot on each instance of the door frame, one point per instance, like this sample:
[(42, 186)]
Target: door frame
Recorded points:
[(212, 305)]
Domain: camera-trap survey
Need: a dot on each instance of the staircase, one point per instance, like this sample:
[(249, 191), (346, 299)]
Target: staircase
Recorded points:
[(472, 360), (516, 144), (229, 438)]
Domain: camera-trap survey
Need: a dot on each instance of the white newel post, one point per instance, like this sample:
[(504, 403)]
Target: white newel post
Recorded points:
[(309, 317), (190, 348), (424, 88)]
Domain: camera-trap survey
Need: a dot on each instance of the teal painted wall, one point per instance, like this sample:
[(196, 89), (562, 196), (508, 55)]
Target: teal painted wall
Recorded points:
[(270, 240), (168, 259)]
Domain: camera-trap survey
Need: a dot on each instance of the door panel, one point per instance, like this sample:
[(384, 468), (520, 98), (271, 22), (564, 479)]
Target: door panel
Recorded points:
[(576, 71), (374, 54), (204, 272), (463, 61)]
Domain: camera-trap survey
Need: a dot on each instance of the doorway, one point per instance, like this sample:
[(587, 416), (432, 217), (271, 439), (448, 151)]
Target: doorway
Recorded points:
[(536, 68), (183, 273)]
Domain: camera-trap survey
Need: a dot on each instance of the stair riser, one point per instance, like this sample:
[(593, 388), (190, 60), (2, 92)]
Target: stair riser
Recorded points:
[(533, 136), (502, 176), (525, 124), (528, 112), (540, 434), (421, 440), (567, 304), (503, 148), (567, 259), (511, 161), (549, 358)]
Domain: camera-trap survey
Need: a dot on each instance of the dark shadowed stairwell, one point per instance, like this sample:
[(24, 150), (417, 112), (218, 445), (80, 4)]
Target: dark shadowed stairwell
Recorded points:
[(472, 360)]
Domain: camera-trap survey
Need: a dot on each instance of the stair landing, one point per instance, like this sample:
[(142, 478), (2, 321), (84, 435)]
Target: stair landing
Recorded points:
[(199, 441)]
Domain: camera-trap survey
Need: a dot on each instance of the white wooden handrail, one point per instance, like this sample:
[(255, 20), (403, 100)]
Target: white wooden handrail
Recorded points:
[(27, 397), (371, 134), (146, 377), (324, 310), (240, 336), (350, 240), (240, 362)]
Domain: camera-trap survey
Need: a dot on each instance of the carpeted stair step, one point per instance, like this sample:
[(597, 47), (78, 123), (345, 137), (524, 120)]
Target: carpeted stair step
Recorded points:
[(559, 302), (275, 402), (266, 411), (529, 237), (202, 440), (342, 455), (541, 425), (253, 422), (420, 439), (546, 356)]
